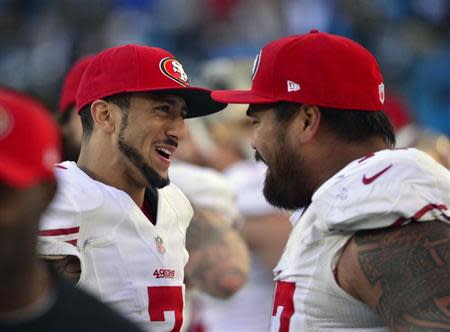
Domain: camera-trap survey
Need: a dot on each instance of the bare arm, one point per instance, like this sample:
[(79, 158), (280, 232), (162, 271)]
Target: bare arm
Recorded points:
[(218, 258), (267, 235), (66, 266), (403, 273)]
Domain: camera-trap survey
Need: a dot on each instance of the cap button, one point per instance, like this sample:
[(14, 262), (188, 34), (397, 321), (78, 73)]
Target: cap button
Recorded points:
[(313, 31)]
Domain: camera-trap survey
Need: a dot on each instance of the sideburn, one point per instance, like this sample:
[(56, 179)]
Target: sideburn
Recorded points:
[(152, 177)]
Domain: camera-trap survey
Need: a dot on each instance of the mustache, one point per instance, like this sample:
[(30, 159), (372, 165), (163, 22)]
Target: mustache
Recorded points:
[(169, 141), (258, 157)]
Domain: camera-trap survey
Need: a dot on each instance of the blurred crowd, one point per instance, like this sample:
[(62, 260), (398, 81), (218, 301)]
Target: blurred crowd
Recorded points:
[(410, 38)]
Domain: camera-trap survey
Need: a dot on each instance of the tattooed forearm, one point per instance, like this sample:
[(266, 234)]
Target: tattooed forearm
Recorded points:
[(411, 266), (218, 259)]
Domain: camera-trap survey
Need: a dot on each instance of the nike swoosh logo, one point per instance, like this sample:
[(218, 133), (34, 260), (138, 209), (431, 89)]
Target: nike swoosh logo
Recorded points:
[(369, 180)]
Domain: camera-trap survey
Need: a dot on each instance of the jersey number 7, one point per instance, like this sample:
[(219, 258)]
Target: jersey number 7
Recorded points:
[(283, 306), (163, 300)]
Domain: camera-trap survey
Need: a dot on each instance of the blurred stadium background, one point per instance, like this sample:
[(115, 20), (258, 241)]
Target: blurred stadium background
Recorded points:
[(40, 39)]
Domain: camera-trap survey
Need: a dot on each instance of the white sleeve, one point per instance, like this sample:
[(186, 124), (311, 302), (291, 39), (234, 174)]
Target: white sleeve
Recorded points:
[(410, 190), (59, 226)]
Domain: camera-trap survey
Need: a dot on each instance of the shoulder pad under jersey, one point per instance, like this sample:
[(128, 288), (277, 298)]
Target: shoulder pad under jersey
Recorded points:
[(76, 193), (390, 187)]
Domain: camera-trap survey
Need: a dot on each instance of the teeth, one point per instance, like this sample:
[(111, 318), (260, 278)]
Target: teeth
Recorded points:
[(165, 151)]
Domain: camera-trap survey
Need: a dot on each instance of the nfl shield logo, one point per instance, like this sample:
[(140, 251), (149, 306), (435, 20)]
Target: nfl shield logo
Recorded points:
[(381, 92), (160, 244)]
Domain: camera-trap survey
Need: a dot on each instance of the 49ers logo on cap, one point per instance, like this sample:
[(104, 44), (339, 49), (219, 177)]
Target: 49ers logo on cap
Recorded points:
[(173, 69)]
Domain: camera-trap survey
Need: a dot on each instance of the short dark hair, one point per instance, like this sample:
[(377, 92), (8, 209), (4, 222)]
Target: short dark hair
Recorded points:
[(349, 125), (121, 99), (285, 110), (354, 125)]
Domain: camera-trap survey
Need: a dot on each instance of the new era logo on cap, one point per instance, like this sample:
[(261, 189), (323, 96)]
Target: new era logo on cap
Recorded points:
[(292, 86)]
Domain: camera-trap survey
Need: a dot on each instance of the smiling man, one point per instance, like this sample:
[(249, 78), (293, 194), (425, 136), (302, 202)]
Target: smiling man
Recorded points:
[(116, 211), (371, 251)]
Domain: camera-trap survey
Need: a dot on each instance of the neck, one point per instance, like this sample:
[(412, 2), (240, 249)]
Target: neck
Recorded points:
[(25, 283), (101, 164), (340, 154)]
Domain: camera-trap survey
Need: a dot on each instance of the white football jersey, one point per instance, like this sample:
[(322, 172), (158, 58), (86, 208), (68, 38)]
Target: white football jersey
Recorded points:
[(388, 188), (128, 262)]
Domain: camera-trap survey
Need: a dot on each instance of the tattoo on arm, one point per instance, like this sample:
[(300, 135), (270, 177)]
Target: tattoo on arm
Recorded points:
[(411, 266), (218, 259)]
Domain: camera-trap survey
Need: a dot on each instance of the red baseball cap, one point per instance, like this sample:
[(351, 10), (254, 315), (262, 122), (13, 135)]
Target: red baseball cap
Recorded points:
[(71, 82), (29, 140), (134, 68), (316, 68)]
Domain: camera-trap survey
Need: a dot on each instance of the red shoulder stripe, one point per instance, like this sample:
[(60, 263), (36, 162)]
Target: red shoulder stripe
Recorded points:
[(400, 221), (60, 231)]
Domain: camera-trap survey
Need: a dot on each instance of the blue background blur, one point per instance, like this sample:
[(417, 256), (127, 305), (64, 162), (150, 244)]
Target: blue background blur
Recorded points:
[(40, 39)]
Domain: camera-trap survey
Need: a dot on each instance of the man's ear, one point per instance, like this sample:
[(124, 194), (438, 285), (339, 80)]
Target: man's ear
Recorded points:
[(103, 115), (308, 121)]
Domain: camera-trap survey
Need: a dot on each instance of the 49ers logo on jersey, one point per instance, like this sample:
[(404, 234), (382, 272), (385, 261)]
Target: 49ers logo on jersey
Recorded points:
[(173, 69), (164, 273)]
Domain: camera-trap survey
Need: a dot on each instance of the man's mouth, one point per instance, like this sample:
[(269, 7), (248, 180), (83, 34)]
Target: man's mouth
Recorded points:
[(165, 152)]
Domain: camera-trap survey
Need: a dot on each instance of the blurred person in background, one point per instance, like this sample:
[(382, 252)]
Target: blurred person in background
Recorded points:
[(215, 247), (68, 118), (375, 218), (264, 228), (116, 204), (409, 133), (222, 142), (33, 297)]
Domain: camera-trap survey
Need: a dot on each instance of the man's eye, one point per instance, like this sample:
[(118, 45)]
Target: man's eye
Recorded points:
[(164, 109)]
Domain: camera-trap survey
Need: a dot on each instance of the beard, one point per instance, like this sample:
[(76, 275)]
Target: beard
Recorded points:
[(287, 184), (152, 178)]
